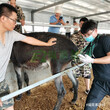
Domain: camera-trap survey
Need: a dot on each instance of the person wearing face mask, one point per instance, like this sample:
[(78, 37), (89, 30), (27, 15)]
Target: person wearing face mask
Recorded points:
[(56, 19), (90, 38), (81, 43), (99, 48)]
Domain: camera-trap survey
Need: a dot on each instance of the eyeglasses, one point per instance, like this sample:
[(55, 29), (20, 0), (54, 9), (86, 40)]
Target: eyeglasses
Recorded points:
[(11, 19), (88, 34)]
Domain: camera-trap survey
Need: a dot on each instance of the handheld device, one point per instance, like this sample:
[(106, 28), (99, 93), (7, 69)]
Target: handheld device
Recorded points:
[(60, 17)]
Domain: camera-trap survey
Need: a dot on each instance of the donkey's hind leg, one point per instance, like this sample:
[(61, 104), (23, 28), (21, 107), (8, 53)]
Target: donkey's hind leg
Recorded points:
[(56, 68), (61, 92), (75, 84)]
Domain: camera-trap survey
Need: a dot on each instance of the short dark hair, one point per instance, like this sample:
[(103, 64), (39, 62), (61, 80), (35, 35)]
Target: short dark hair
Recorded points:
[(89, 25), (84, 19), (6, 9), (67, 21)]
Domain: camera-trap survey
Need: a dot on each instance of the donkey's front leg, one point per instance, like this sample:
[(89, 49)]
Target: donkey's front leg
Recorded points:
[(19, 80), (26, 79)]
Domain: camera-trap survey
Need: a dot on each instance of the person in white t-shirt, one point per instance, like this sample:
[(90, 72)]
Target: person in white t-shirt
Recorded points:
[(8, 17)]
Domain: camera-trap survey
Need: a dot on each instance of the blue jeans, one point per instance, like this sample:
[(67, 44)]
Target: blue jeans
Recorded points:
[(98, 91)]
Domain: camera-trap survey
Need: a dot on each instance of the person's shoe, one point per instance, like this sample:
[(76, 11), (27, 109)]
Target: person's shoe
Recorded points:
[(87, 92)]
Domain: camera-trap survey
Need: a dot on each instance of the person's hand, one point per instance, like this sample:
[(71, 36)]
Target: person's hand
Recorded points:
[(85, 58), (61, 21), (0, 103), (52, 41)]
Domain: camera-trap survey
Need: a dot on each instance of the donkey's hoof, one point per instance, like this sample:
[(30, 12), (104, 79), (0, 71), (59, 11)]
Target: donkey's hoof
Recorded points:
[(72, 89), (28, 93), (18, 97), (73, 102)]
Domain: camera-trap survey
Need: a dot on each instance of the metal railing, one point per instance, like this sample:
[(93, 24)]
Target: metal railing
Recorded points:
[(11, 95)]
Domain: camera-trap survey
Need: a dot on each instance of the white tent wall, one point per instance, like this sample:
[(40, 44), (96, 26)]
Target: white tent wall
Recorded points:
[(27, 15), (42, 18)]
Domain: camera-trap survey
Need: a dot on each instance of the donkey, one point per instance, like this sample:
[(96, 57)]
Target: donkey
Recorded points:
[(30, 57)]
